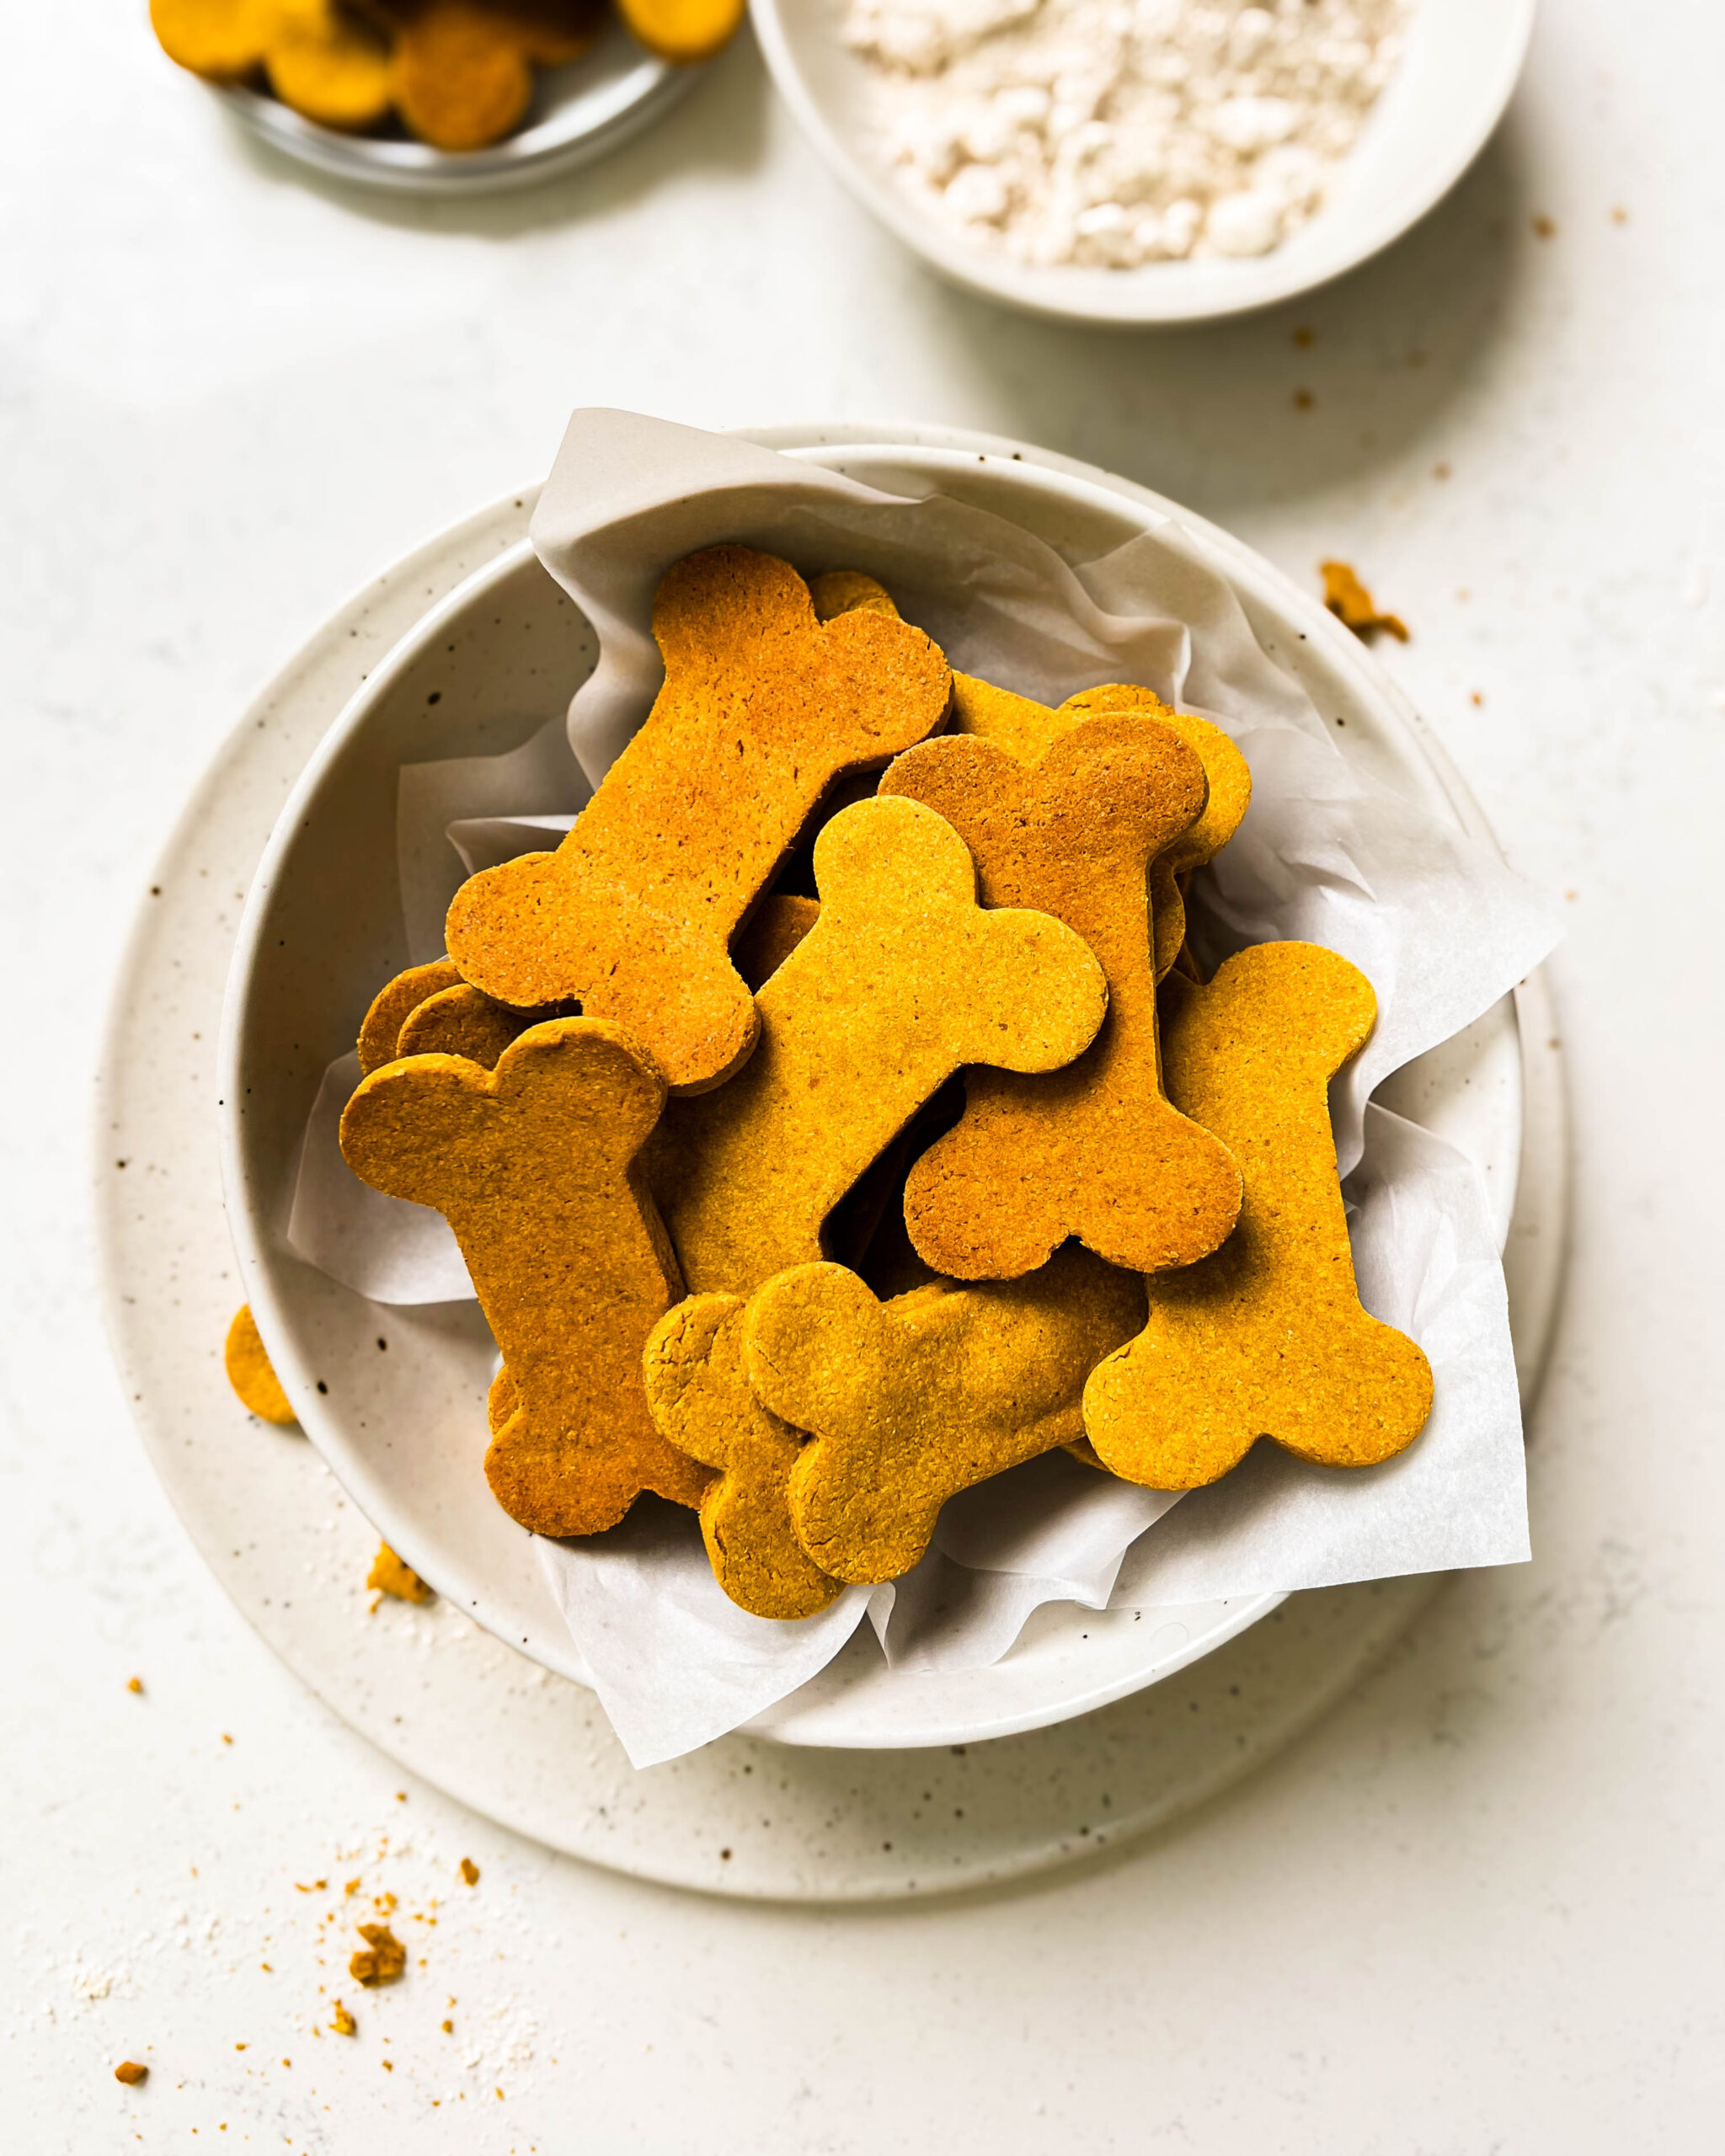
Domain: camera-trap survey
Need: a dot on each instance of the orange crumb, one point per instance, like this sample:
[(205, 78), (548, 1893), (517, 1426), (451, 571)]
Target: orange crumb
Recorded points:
[(351, 1887), (382, 1959), (1545, 228), (134, 1683), (449, 2028), (389, 2065), (1620, 216), (226, 1738), (1474, 697), (1353, 605), (470, 1872), (389, 1576), (132, 2071), (343, 2023)]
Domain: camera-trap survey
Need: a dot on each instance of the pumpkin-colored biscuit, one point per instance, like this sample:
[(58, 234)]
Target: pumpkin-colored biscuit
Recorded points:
[(1028, 730), (250, 1373), (460, 1021), (221, 39), (1094, 1150), (909, 1402), (683, 31), (1267, 1339), (532, 1165), (393, 1005), (320, 59), (770, 935), (902, 978), (761, 707), (703, 1403)]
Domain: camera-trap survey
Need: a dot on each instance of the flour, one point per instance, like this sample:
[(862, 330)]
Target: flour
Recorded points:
[(1115, 132)]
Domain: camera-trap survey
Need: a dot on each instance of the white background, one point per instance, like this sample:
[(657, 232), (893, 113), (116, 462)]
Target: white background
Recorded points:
[(1479, 1907)]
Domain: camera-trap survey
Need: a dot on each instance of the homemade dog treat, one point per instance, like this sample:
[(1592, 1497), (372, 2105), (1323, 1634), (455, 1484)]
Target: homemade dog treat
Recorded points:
[(910, 1402), (393, 1005), (250, 1373), (464, 71), (762, 706), (902, 978), (702, 1402), (682, 31), (320, 59), (1028, 730), (1093, 1151), (1267, 1339), (532, 1165), (460, 1021)]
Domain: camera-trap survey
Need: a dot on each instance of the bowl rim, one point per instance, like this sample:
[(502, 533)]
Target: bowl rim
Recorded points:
[(1132, 300), (252, 1232)]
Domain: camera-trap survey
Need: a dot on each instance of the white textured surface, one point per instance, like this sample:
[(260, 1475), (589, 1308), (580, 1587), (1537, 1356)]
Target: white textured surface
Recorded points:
[(1480, 1903)]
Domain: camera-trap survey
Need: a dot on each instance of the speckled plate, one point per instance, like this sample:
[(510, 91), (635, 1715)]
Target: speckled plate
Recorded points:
[(579, 113), (455, 1704)]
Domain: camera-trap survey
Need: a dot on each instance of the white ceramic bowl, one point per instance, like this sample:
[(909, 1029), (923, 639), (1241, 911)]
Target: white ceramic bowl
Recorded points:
[(1456, 76), (404, 1429), (579, 113)]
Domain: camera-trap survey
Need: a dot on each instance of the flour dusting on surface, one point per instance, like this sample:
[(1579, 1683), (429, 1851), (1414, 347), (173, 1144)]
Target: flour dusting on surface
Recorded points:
[(1117, 132)]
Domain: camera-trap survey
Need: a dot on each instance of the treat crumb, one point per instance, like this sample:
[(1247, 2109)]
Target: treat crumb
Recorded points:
[(132, 2071), (470, 1872), (389, 1576), (343, 2022), (382, 1958), (1352, 604), (134, 1683)]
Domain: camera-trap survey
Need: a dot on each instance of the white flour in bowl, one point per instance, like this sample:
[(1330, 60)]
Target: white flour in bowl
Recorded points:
[(1115, 132)]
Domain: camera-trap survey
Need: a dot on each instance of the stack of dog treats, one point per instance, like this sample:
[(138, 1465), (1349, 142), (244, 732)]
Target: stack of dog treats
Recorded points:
[(837, 1118), (458, 73)]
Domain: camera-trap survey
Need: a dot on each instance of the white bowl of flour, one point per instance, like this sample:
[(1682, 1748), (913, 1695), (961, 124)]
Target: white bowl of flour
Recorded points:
[(1146, 161)]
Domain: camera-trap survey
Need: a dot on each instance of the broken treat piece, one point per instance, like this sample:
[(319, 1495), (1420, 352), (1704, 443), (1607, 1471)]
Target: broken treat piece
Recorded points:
[(910, 1402), (702, 1401), (532, 1165), (389, 1576), (761, 707), (250, 1373), (1093, 1151), (380, 1961), (1353, 605), (1266, 1338), (903, 978), (132, 2072)]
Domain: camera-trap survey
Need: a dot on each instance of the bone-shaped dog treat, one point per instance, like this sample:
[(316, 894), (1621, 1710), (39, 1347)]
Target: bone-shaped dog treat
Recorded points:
[(460, 1021), (532, 1167), (761, 707), (394, 1003), (1093, 1151), (910, 1402), (1027, 731), (770, 935), (702, 1402), (1267, 1339), (902, 978)]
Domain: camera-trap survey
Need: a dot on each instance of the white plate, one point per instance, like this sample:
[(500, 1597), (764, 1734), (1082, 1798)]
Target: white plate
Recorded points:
[(578, 113), (450, 1703), (1461, 64), (403, 1428)]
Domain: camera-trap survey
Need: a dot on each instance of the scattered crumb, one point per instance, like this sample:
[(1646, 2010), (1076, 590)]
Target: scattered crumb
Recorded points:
[(1353, 605), (1545, 228), (1476, 696), (470, 1872), (317, 1887), (1303, 400), (134, 1683), (389, 2065), (343, 2023), (132, 2071), (390, 1576), (351, 1887), (382, 1959), (449, 2028), (226, 1738)]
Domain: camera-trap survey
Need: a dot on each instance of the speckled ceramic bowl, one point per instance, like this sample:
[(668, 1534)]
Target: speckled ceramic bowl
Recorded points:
[(482, 670)]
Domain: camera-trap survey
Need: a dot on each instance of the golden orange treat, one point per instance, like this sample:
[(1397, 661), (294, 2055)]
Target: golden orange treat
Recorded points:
[(683, 31), (460, 1021), (1093, 1151), (1353, 605), (910, 1402), (532, 1165), (249, 1372), (761, 707), (322, 60), (903, 978), (703, 1403), (1028, 730), (393, 1005), (1267, 1339), (390, 1576), (221, 39), (770, 935)]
